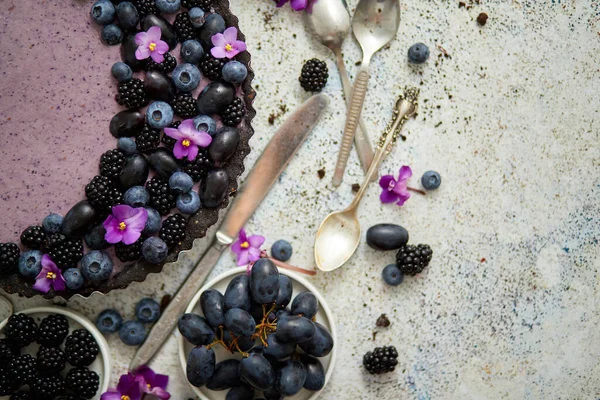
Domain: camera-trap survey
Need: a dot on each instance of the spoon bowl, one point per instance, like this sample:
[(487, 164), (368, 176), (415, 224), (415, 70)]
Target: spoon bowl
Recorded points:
[(375, 23), (337, 239)]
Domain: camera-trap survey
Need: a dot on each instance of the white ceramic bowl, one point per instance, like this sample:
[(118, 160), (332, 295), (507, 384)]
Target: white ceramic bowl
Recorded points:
[(324, 316), (101, 364)]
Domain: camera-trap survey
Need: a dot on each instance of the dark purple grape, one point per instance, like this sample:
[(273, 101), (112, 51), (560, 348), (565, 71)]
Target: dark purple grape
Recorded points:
[(273, 394), (237, 294), (211, 302), (264, 281), (320, 344), (290, 378), (195, 329), (284, 312), (258, 372), (256, 310), (284, 294), (200, 365), (305, 304), (278, 349), (242, 392), (224, 144), (295, 329), (245, 343), (315, 373), (214, 188), (227, 375), (240, 322)]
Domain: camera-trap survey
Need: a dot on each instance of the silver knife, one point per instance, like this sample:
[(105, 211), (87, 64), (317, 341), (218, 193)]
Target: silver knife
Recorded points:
[(276, 156)]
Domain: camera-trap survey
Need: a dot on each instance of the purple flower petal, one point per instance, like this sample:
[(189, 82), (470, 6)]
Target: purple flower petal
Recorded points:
[(192, 152), (112, 395), (123, 212), (155, 56), (298, 5), (160, 393), (218, 40), (218, 52), (130, 236), (281, 3), (201, 139), (236, 247), (141, 39), (387, 197), (405, 173), (138, 220), (113, 235), (187, 128), (256, 240), (243, 258), (253, 254), (230, 35), (180, 151), (142, 52), (242, 236), (42, 284), (153, 34), (161, 47), (385, 180), (174, 133), (402, 199), (58, 283)]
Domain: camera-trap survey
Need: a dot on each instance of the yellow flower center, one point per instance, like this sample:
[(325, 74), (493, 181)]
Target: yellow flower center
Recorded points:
[(149, 386), (186, 143), (228, 47), (122, 226), (125, 397), (245, 245), (51, 275), (152, 46)]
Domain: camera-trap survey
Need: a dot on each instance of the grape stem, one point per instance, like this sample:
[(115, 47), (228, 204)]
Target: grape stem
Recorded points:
[(281, 264)]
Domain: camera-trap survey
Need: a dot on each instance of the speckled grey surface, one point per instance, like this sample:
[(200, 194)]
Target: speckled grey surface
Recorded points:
[(509, 306)]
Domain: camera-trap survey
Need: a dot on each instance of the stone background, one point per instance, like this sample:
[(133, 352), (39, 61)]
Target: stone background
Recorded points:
[(509, 307)]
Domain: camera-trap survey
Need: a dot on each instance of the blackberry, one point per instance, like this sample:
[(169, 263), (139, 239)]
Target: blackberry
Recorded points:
[(234, 113), (132, 94), (413, 259), (50, 360), (48, 387), (183, 27), (68, 397), (81, 348), (184, 105), (21, 330), (7, 385), (198, 168), (168, 141), (102, 194), (168, 64), (21, 396), (33, 237), (162, 198), (53, 330), (314, 75), (111, 163), (9, 257), (203, 4), (129, 252), (381, 360), (145, 7), (8, 351), (211, 67), (65, 252), (148, 139), (173, 230), (83, 382), (21, 369)]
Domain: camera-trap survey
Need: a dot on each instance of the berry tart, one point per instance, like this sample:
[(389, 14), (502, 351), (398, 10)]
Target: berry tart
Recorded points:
[(124, 130)]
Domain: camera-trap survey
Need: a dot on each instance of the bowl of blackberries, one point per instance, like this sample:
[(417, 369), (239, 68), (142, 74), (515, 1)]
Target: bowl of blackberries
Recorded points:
[(263, 334), (52, 354)]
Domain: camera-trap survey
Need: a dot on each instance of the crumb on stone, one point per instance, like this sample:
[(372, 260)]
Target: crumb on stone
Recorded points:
[(461, 4), (321, 173), (482, 19), (355, 187), (383, 321)]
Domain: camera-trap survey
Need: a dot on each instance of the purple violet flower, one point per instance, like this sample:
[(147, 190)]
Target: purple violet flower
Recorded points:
[(247, 248), (152, 383), (226, 44), (127, 389), (297, 5), (150, 45), (49, 277), (188, 140), (125, 224), (395, 190)]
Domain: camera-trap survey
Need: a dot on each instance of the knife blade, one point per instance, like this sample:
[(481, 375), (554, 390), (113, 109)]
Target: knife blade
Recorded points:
[(274, 159)]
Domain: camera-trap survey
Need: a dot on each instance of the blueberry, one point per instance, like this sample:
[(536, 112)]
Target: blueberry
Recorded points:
[(132, 333), (197, 17), (206, 124), (95, 238), (127, 145), (147, 310), (73, 278), (111, 35), (168, 6), (418, 53), (192, 51), (159, 115), (103, 12), (136, 196), (154, 250), (431, 180), (153, 222), (30, 263), (127, 16), (96, 266), (186, 77), (188, 203), (392, 275), (181, 182), (234, 72), (281, 250), (109, 321), (121, 72), (52, 223)]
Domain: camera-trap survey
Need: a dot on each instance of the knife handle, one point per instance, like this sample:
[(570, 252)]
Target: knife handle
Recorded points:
[(163, 328)]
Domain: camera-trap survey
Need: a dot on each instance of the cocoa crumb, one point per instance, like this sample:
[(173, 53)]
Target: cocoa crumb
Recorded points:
[(355, 187), (272, 119), (321, 173), (383, 321), (374, 335), (483, 259), (461, 4), (164, 302), (482, 19)]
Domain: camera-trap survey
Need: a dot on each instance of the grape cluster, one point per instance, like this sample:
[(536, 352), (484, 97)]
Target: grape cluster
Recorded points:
[(280, 345)]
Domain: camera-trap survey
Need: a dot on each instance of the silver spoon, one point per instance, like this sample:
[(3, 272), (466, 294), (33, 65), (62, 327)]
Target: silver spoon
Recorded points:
[(329, 20), (339, 233), (374, 24)]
